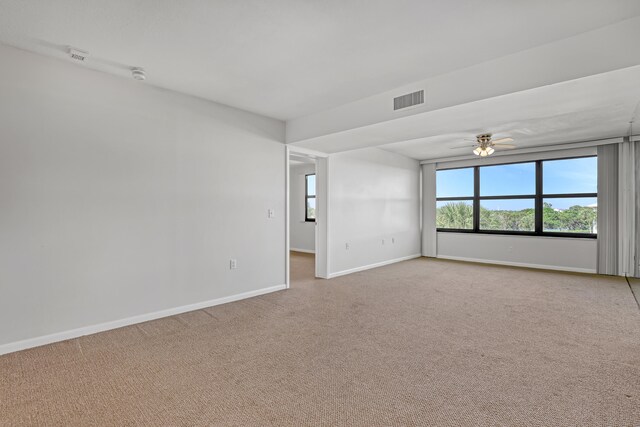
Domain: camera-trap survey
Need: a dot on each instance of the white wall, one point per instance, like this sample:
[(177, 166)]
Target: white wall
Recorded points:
[(120, 199), (302, 233), (374, 195), (530, 251)]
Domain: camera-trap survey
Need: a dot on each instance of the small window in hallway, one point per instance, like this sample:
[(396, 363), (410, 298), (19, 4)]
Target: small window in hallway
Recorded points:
[(310, 197)]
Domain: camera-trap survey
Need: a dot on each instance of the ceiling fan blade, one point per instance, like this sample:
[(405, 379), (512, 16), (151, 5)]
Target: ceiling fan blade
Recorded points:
[(506, 146), (501, 140), (466, 147)]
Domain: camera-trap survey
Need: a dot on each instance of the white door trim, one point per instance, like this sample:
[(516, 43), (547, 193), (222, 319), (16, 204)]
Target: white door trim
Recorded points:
[(321, 247)]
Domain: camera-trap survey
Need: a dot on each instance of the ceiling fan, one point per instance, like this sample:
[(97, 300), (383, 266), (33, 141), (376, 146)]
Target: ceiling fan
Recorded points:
[(485, 146)]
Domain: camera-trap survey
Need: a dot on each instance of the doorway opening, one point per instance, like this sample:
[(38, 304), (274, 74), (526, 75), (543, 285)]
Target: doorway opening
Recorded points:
[(302, 218), (307, 211)]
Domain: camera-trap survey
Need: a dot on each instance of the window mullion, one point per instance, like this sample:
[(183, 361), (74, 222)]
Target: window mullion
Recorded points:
[(476, 199), (538, 200)]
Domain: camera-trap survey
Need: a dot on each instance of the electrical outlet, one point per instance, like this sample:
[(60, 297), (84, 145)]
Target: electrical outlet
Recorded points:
[(271, 213), (346, 246), (393, 240), (233, 263)]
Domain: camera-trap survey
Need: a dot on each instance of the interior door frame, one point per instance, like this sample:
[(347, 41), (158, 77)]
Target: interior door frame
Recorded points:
[(322, 211)]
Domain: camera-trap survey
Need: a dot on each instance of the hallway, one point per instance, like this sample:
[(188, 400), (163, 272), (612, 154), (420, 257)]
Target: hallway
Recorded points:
[(302, 268)]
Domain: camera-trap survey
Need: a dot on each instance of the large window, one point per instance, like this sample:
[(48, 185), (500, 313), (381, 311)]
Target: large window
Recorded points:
[(310, 197), (545, 197)]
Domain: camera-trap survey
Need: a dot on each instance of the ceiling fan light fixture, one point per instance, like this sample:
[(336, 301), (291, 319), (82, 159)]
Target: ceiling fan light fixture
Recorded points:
[(485, 145)]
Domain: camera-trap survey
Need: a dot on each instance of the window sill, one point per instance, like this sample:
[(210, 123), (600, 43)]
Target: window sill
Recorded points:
[(522, 234)]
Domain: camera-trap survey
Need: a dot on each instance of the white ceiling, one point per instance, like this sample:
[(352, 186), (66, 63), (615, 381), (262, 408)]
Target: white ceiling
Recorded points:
[(595, 107), (300, 159), (289, 58)]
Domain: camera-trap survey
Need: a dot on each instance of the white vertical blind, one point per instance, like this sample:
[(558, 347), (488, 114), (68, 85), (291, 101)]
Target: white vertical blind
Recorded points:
[(637, 197), (429, 235), (608, 209), (627, 216)]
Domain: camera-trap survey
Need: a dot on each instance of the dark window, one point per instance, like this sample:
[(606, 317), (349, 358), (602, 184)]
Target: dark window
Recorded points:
[(545, 197), (310, 197)]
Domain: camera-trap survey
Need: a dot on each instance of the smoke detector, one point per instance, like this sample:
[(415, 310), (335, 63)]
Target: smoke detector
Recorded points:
[(77, 54), (138, 73)]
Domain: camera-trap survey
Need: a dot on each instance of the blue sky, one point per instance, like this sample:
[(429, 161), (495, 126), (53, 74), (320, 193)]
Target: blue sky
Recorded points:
[(311, 183), (559, 176)]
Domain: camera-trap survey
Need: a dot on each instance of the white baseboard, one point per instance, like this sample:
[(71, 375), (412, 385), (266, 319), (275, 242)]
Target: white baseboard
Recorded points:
[(370, 266), (306, 251), (519, 264), (101, 327)]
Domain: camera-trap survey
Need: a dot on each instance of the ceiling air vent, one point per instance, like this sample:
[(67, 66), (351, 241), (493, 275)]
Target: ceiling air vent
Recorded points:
[(408, 100)]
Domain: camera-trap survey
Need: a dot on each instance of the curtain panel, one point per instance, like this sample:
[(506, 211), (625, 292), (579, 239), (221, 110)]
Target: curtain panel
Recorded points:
[(627, 205), (429, 235), (608, 209)]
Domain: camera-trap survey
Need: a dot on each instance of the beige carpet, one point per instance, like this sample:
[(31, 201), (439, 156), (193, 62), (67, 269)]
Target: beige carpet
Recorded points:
[(423, 342), (634, 283)]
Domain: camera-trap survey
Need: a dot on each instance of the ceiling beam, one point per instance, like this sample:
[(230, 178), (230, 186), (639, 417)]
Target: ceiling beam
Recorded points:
[(606, 49)]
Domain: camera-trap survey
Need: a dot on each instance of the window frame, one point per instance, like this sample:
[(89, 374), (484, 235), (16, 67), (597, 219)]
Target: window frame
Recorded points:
[(538, 198), (307, 197)]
